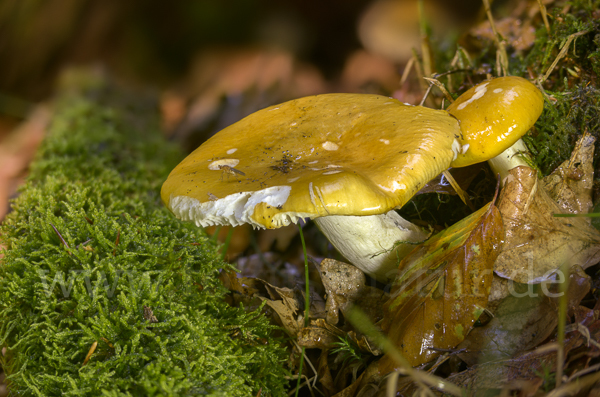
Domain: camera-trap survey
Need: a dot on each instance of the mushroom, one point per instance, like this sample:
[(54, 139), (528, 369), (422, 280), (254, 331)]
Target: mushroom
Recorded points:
[(493, 117), (345, 160)]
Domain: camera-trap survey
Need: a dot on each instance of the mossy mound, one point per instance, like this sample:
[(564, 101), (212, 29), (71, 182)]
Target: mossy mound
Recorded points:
[(93, 259)]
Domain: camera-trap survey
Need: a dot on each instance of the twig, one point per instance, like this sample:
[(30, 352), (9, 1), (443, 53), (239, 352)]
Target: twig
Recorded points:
[(439, 85), (461, 193), (562, 319), (563, 51), (544, 16), (407, 69), (501, 55)]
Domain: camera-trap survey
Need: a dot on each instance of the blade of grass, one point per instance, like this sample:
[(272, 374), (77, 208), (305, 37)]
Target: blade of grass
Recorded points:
[(562, 319), (226, 244), (306, 303), (216, 233), (500, 44)]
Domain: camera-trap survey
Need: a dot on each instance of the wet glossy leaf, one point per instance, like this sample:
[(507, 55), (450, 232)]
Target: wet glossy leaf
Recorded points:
[(443, 287)]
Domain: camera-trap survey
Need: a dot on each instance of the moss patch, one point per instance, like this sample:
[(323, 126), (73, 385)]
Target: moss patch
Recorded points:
[(93, 259)]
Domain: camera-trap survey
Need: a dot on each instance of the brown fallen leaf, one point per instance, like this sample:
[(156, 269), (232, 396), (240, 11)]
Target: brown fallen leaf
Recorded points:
[(442, 288), (519, 34), (525, 367), (570, 185), (286, 304), (324, 374), (224, 85), (537, 243), (522, 321), (17, 151), (322, 335), (319, 335), (368, 73), (345, 286)]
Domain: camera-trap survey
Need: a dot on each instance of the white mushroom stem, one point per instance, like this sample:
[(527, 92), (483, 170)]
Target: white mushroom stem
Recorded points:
[(514, 156), (375, 244)]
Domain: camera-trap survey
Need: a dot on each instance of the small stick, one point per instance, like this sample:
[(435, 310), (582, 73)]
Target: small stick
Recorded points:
[(117, 243), (461, 193), (62, 240), (90, 352), (501, 55), (544, 16), (439, 85), (561, 54), (407, 69)]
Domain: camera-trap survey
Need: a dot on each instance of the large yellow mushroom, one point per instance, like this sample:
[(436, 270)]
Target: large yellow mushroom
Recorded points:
[(347, 161)]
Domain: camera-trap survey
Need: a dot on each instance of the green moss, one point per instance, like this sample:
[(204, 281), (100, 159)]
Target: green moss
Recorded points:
[(572, 86), (93, 257), (562, 123)]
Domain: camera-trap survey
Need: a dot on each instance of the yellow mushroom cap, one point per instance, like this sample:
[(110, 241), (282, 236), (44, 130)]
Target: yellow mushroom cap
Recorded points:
[(493, 115), (333, 154)]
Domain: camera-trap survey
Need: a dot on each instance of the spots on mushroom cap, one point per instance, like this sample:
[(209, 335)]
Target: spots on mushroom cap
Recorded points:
[(327, 145), (228, 162), (497, 90), (479, 92), (231, 151), (511, 95), (385, 141)]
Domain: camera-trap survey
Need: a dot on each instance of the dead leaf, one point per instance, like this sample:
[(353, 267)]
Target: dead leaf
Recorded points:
[(570, 185), (519, 34), (270, 267), (319, 335), (287, 313), (17, 151), (442, 288), (537, 243), (284, 302), (324, 374), (522, 321), (225, 85), (345, 286), (368, 73), (364, 344), (391, 27), (525, 367)]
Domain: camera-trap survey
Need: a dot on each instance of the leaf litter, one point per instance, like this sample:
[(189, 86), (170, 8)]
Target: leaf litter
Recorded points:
[(537, 242)]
